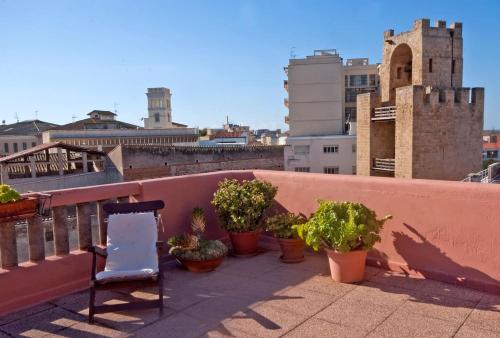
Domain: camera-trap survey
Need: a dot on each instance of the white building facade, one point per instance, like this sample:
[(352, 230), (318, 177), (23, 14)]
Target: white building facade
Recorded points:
[(322, 111)]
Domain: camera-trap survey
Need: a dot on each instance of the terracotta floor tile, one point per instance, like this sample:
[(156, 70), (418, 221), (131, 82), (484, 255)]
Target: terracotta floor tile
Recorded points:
[(402, 324), (300, 301), (355, 313), (316, 328), (325, 284), (50, 321), (387, 296), (486, 315), (469, 331), (399, 280), (436, 289), (25, 313), (264, 321), (451, 309), (178, 325)]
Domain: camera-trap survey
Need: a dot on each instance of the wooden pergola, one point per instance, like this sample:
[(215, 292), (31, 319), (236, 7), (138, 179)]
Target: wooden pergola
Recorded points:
[(50, 159)]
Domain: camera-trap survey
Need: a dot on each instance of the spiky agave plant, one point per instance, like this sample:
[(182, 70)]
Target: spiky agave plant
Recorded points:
[(198, 221)]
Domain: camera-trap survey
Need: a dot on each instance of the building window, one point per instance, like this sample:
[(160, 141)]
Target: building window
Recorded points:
[(354, 170), (331, 149), (358, 80), (15, 147), (350, 114), (351, 94), (302, 169), (430, 65), (346, 79), (354, 147), (453, 66), (331, 170), (157, 117), (301, 150), (493, 139), (373, 80), (25, 146), (6, 147), (33, 144)]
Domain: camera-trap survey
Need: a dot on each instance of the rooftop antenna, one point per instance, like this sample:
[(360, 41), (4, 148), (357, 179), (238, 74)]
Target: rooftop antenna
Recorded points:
[(36, 114), (16, 116), (292, 53), (73, 117), (115, 104)]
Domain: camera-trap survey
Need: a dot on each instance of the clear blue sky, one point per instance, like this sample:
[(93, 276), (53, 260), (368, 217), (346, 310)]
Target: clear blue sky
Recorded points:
[(219, 58)]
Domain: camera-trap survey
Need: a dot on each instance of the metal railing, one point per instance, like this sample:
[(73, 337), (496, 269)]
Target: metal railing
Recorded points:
[(384, 113), (384, 164)]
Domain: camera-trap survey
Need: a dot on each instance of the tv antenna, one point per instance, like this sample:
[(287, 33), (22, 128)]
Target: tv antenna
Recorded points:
[(16, 116), (292, 53), (36, 114), (115, 104), (73, 117)]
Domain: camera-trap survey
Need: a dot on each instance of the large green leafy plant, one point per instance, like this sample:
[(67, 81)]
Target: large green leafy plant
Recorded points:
[(285, 225), (342, 226), (193, 246), (7, 194), (241, 205)]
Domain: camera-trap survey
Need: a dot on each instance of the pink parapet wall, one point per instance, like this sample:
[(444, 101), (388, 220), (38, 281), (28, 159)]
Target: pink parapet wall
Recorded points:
[(449, 231)]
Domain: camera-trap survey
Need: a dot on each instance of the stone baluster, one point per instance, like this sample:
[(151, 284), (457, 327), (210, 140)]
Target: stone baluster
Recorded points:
[(84, 226), (60, 228), (36, 240), (8, 244), (101, 215)]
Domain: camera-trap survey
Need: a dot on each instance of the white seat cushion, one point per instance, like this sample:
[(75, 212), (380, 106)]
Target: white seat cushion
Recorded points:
[(131, 247)]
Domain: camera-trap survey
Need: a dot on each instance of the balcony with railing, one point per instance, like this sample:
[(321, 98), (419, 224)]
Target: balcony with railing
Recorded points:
[(434, 273), (384, 114)]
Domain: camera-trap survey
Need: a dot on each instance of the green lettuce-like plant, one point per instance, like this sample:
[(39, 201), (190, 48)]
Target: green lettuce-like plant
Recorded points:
[(284, 225), (342, 226), (193, 246), (7, 194), (241, 205)]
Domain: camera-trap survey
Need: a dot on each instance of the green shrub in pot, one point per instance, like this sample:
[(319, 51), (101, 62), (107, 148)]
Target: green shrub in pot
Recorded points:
[(240, 207), (284, 227), (346, 230)]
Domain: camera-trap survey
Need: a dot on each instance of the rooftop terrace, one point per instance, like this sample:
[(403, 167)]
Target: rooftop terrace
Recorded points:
[(271, 299), (441, 246)]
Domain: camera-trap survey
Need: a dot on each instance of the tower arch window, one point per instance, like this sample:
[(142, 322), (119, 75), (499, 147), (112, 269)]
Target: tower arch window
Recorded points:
[(157, 117), (430, 65)]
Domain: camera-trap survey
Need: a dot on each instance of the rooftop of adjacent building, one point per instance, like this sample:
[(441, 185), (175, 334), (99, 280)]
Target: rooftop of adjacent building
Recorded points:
[(27, 127)]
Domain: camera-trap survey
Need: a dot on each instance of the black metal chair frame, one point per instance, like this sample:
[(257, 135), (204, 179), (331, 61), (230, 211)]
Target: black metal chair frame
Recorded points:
[(126, 208)]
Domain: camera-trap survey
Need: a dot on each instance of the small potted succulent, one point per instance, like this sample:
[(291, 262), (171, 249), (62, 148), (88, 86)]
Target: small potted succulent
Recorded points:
[(13, 205), (284, 227), (241, 207), (195, 253), (346, 231)]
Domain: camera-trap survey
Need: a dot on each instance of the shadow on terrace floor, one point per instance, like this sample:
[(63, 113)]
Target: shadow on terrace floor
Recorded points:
[(260, 297)]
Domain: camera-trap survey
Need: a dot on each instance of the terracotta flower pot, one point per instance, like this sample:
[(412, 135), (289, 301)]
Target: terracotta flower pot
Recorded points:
[(292, 250), (201, 266), (245, 243), (347, 267), (24, 207)]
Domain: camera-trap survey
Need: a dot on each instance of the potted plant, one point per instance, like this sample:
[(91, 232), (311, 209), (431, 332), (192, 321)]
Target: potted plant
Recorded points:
[(284, 228), (13, 205), (241, 207), (346, 231), (195, 253)]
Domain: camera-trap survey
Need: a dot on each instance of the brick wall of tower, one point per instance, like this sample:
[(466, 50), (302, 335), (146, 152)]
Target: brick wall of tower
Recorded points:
[(447, 132), (365, 104)]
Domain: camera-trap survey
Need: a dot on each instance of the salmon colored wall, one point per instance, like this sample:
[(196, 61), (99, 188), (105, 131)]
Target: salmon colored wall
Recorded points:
[(449, 231)]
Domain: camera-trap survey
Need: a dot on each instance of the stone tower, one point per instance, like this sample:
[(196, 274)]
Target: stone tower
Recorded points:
[(423, 124), (159, 109)]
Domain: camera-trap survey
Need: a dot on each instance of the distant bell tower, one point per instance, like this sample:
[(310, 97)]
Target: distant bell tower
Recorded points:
[(159, 109)]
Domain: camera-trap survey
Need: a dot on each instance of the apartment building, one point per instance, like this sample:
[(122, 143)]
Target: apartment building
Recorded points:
[(322, 92)]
